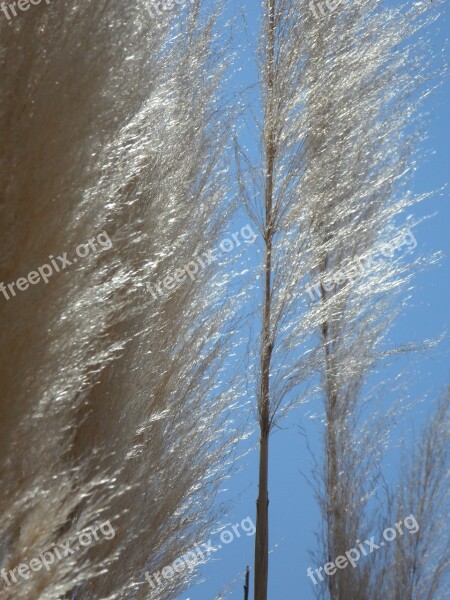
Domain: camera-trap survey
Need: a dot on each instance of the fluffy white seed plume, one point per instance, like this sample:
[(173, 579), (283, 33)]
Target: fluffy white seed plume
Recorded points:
[(114, 403), (338, 94), (364, 74)]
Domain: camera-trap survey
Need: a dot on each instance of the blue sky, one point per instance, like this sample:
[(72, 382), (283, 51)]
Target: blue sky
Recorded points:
[(294, 515)]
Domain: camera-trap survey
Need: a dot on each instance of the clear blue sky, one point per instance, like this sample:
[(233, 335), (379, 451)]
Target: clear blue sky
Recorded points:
[(294, 516)]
